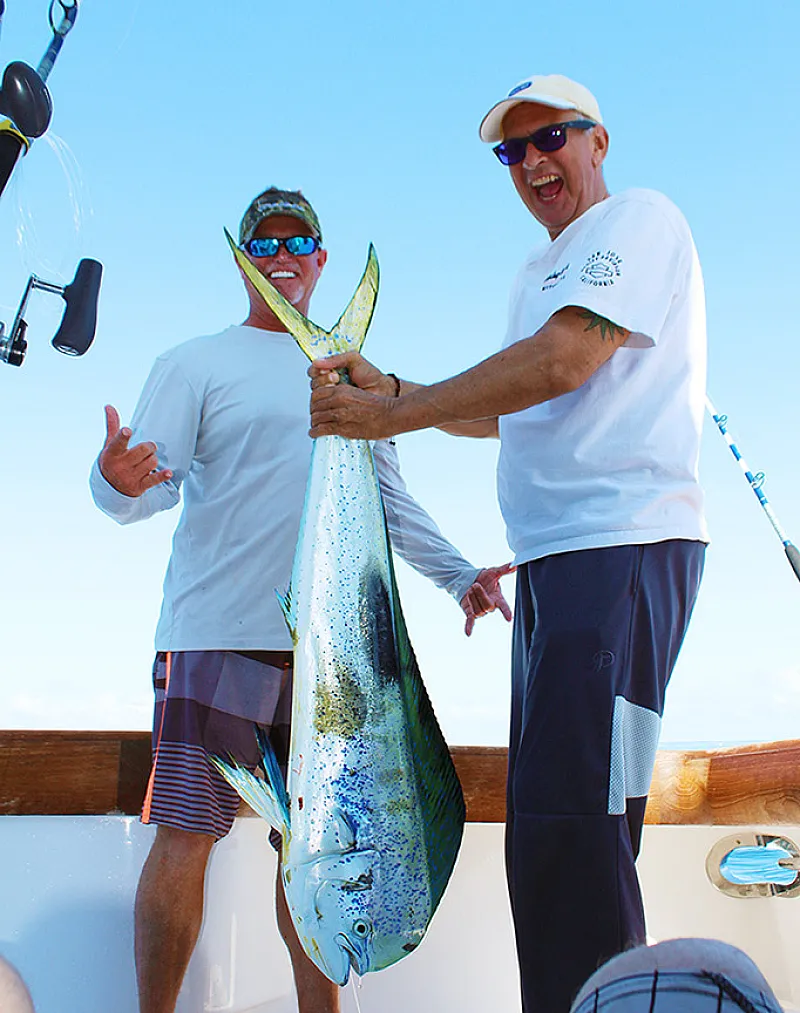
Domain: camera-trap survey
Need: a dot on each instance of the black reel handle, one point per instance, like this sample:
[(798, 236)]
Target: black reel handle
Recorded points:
[(79, 322)]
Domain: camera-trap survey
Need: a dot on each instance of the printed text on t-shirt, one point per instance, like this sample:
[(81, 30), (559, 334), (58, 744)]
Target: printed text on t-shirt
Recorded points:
[(601, 269)]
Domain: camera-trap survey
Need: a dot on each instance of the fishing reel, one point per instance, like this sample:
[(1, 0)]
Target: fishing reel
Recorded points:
[(25, 102), (78, 324), (24, 96)]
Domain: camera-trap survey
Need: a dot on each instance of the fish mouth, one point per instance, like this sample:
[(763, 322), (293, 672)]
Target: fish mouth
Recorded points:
[(358, 961)]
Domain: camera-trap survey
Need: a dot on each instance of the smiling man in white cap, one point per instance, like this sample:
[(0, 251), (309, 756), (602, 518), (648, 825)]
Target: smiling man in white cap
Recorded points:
[(597, 397)]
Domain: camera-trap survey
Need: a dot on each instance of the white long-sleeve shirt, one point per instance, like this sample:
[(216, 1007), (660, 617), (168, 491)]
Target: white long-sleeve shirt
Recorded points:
[(229, 416)]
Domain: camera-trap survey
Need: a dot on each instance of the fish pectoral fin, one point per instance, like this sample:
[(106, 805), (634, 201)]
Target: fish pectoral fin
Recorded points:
[(353, 324), (312, 339), (345, 830), (265, 796)]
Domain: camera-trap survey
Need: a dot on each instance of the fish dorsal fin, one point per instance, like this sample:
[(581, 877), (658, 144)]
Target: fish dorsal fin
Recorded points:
[(353, 324), (313, 340)]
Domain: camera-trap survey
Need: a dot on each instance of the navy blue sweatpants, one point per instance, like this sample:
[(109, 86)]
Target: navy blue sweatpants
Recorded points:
[(596, 636)]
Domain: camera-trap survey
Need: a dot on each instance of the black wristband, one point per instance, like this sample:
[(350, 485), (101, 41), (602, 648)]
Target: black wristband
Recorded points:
[(396, 384)]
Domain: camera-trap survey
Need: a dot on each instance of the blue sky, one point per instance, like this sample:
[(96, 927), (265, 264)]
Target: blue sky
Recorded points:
[(175, 115)]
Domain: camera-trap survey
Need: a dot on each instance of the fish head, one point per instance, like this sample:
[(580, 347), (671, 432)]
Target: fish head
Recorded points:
[(339, 911), (351, 916)]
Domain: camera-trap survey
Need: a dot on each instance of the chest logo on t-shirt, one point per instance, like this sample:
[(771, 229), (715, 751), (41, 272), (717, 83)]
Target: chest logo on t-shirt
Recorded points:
[(554, 278), (602, 269)]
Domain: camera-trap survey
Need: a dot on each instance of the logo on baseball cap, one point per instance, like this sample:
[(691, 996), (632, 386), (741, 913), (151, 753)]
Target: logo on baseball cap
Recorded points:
[(278, 202), (552, 90)]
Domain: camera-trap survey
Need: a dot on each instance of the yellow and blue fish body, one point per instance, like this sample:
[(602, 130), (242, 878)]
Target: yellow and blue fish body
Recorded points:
[(372, 812)]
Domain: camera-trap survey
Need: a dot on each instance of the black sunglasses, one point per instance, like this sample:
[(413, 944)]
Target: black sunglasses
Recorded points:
[(267, 246), (546, 139)]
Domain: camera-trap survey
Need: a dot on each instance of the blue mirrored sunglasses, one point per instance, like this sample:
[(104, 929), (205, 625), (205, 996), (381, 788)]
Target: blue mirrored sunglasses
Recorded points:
[(267, 246), (545, 139)]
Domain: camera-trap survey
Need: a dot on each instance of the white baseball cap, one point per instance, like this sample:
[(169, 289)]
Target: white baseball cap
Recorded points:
[(553, 90)]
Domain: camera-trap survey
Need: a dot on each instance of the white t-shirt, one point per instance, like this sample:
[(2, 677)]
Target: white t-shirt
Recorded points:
[(615, 461), (229, 415)]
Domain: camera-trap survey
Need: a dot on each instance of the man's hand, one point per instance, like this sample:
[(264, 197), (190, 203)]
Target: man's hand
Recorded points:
[(325, 372), (485, 596), (348, 411), (130, 470)]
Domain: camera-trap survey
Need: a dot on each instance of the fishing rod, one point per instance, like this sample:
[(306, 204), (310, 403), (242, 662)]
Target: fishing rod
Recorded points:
[(24, 97), (25, 101), (756, 481)]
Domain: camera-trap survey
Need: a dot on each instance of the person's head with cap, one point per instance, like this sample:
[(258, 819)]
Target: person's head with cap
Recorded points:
[(281, 235), (678, 976), (549, 132)]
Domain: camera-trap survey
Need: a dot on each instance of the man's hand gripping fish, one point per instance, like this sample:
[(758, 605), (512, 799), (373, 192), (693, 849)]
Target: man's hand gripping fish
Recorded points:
[(372, 814)]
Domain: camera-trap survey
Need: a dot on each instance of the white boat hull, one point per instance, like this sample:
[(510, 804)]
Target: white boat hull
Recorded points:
[(67, 900)]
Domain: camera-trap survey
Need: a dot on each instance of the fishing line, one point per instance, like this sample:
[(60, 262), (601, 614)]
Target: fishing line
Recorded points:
[(61, 209), (355, 981), (756, 481), (110, 53)]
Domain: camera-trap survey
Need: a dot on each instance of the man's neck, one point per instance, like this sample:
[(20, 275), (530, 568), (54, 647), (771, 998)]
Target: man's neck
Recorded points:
[(601, 196), (264, 323)]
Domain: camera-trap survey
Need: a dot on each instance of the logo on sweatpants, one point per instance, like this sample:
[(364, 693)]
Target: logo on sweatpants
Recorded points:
[(602, 659)]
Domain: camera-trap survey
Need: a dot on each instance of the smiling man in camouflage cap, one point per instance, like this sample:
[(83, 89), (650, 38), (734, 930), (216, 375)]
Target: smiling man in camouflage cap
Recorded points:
[(223, 419)]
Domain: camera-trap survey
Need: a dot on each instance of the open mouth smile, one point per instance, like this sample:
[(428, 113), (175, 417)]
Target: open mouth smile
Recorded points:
[(548, 187)]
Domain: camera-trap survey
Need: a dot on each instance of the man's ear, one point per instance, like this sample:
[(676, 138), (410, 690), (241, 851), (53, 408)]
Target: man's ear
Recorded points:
[(322, 255), (599, 145)]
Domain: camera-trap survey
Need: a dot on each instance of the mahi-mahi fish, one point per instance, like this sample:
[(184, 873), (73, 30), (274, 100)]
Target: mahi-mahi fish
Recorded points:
[(371, 814)]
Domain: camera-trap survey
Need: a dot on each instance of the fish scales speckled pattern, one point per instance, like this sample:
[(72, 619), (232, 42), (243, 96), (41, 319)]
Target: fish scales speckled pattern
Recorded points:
[(373, 817)]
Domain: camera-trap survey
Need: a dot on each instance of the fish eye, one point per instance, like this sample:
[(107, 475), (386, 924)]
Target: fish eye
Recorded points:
[(361, 929)]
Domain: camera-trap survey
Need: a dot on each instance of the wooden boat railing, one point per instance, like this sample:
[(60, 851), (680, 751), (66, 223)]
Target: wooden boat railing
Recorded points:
[(84, 773)]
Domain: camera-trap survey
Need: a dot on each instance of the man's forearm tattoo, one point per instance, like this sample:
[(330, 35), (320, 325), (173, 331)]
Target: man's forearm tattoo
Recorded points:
[(608, 329)]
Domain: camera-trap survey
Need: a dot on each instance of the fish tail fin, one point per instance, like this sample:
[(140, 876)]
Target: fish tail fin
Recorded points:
[(349, 331), (266, 796), (353, 324), (311, 338)]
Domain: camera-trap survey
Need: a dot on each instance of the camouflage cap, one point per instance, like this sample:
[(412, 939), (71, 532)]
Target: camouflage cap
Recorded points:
[(278, 202)]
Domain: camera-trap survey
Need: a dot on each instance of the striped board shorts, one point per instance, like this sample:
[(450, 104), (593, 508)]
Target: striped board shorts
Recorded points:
[(208, 702)]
